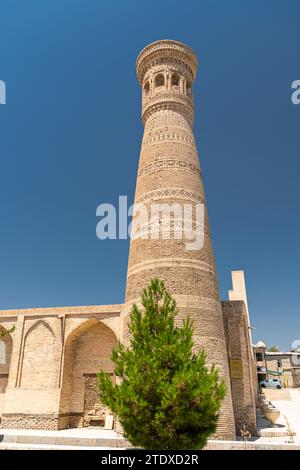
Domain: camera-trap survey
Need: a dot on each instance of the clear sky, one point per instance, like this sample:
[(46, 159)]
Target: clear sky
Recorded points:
[(70, 136)]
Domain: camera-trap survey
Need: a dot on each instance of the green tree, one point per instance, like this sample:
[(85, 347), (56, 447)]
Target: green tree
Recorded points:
[(4, 332), (167, 398), (273, 349)]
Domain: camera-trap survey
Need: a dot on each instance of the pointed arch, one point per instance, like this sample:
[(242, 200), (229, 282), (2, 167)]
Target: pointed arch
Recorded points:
[(147, 87), (2, 352), (159, 80), (38, 365), (175, 80), (88, 350), (6, 345), (188, 86), (35, 325)]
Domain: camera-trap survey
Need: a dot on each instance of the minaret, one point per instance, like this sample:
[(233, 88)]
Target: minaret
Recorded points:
[(168, 173)]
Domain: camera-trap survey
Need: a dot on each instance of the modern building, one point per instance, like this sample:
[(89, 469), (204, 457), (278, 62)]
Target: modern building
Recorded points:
[(277, 364)]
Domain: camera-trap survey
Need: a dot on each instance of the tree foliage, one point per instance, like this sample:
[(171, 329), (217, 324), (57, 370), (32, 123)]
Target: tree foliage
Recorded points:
[(167, 398), (4, 332), (273, 349)]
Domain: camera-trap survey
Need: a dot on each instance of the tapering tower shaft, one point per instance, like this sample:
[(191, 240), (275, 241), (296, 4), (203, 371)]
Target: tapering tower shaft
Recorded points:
[(169, 174)]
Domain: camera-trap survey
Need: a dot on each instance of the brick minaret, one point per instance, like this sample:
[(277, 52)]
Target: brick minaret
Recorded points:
[(169, 172)]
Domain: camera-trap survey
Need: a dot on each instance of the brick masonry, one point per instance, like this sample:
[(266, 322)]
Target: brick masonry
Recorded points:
[(29, 421), (47, 379), (169, 172), (48, 359), (289, 366), (243, 384)]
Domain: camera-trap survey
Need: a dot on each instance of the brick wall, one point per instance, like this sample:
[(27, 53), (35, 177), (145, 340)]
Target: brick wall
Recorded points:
[(43, 377), (291, 371), (242, 365)]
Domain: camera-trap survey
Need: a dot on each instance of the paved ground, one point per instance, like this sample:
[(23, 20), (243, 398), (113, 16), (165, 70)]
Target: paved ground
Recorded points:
[(23, 446), (100, 439), (67, 439), (290, 415), (78, 433)]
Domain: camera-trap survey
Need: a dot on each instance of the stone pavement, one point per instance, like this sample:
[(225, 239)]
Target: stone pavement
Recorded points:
[(20, 446), (289, 418), (95, 438), (78, 438)]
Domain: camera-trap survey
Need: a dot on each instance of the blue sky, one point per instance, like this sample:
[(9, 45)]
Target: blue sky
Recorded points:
[(70, 136)]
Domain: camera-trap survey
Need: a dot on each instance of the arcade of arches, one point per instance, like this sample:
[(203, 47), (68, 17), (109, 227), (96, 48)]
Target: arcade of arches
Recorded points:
[(49, 366)]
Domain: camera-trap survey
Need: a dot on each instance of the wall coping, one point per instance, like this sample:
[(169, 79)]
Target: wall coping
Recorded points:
[(94, 309)]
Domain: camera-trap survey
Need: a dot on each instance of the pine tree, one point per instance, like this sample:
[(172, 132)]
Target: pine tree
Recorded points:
[(167, 398)]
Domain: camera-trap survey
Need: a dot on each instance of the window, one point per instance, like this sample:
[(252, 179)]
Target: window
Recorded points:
[(175, 80), (2, 352), (147, 88), (259, 356), (159, 80), (279, 363), (189, 88)]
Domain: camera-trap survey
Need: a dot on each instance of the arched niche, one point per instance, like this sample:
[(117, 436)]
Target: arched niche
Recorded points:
[(87, 350), (6, 344), (39, 368), (159, 81)]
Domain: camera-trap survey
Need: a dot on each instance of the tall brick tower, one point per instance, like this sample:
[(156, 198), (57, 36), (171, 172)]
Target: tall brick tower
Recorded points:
[(169, 172)]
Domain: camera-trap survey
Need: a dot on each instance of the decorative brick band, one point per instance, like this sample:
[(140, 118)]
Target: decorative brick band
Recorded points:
[(181, 108), (167, 164), (157, 51), (167, 96), (183, 301), (170, 228), (170, 193), (170, 263), (163, 137)]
